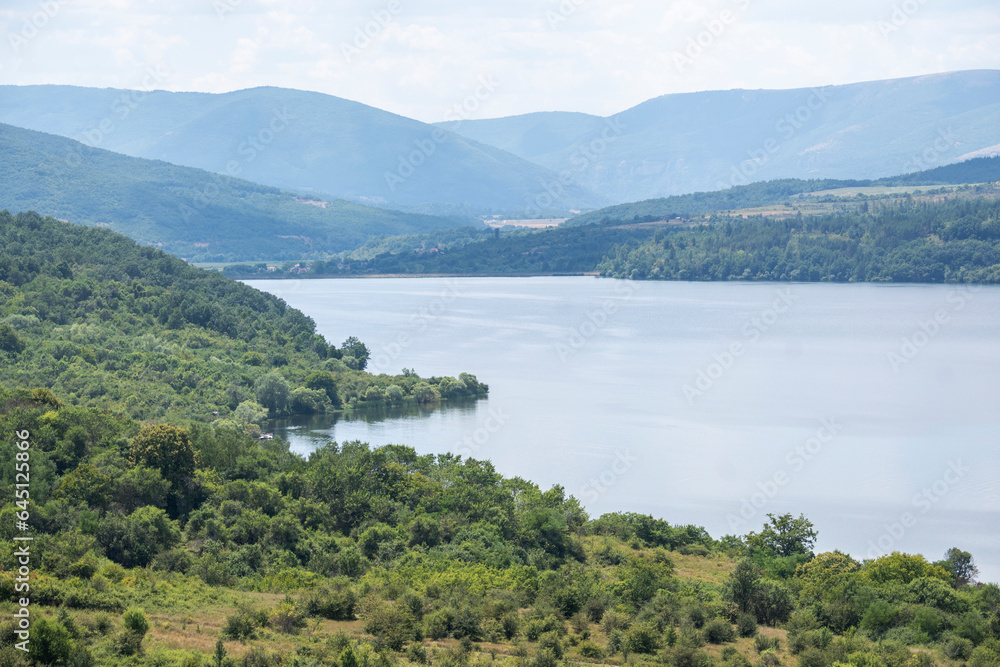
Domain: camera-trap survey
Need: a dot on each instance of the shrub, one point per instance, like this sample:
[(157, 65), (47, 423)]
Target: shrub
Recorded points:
[(642, 638), (957, 648), (719, 631), (337, 604), (286, 618), (764, 643), (589, 649), (244, 623), (135, 620), (746, 625)]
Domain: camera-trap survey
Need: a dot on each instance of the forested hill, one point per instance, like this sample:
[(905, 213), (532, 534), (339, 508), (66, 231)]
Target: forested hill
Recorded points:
[(105, 322), (904, 241), (195, 214), (766, 193)]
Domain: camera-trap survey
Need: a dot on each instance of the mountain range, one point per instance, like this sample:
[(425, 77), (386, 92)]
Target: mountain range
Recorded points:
[(331, 147), (676, 144), (306, 142)]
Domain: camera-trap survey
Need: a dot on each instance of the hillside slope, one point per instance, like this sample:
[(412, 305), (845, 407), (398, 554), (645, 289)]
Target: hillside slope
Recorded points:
[(185, 211), (302, 141)]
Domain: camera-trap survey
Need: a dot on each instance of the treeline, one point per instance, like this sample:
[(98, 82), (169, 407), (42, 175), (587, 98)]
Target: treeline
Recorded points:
[(556, 250), (104, 322), (907, 241), (146, 535)]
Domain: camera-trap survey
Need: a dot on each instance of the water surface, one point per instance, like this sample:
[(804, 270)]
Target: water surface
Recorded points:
[(872, 409)]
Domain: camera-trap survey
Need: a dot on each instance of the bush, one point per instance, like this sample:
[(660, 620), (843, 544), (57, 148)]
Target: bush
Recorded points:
[(589, 649), (286, 618), (642, 638), (764, 643), (719, 631), (957, 648), (244, 623), (135, 620), (391, 623), (746, 625), (335, 604)]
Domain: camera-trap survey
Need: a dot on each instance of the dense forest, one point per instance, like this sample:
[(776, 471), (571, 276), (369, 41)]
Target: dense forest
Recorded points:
[(957, 240), (195, 544), (930, 238), (163, 535), (195, 214), (107, 323)]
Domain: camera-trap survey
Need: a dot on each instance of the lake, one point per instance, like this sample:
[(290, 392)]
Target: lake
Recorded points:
[(871, 409)]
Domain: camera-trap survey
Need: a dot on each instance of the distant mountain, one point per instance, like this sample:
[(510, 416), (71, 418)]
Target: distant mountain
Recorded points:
[(683, 143), (301, 141), (188, 212)]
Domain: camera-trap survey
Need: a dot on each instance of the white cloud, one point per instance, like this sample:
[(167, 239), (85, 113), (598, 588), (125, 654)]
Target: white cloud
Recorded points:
[(600, 57)]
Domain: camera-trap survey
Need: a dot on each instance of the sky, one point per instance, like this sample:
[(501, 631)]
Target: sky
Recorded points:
[(490, 58)]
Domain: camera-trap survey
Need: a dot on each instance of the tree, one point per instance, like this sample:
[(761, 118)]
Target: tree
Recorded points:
[(324, 380), (783, 536), (9, 342), (962, 565), (165, 448), (742, 584), (273, 393), (353, 347), (51, 643)]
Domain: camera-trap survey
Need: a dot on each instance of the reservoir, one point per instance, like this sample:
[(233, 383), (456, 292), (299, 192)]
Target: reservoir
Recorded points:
[(871, 409)]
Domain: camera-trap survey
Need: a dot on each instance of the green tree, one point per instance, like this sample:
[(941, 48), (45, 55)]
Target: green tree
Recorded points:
[(273, 393), (324, 381), (165, 448), (743, 583), (51, 643), (352, 347), (961, 564), (783, 536), (9, 341)]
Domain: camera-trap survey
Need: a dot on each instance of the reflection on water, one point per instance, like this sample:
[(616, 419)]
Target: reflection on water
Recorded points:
[(306, 432)]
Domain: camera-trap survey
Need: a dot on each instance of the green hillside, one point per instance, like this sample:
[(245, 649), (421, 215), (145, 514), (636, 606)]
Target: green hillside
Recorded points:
[(106, 323), (187, 212), (301, 141)]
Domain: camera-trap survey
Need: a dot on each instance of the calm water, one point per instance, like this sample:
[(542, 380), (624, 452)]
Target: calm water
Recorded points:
[(871, 409)]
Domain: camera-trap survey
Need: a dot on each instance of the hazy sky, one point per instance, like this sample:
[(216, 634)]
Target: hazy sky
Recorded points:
[(493, 57)]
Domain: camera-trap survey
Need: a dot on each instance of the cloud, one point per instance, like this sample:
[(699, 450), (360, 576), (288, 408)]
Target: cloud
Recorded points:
[(420, 58)]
